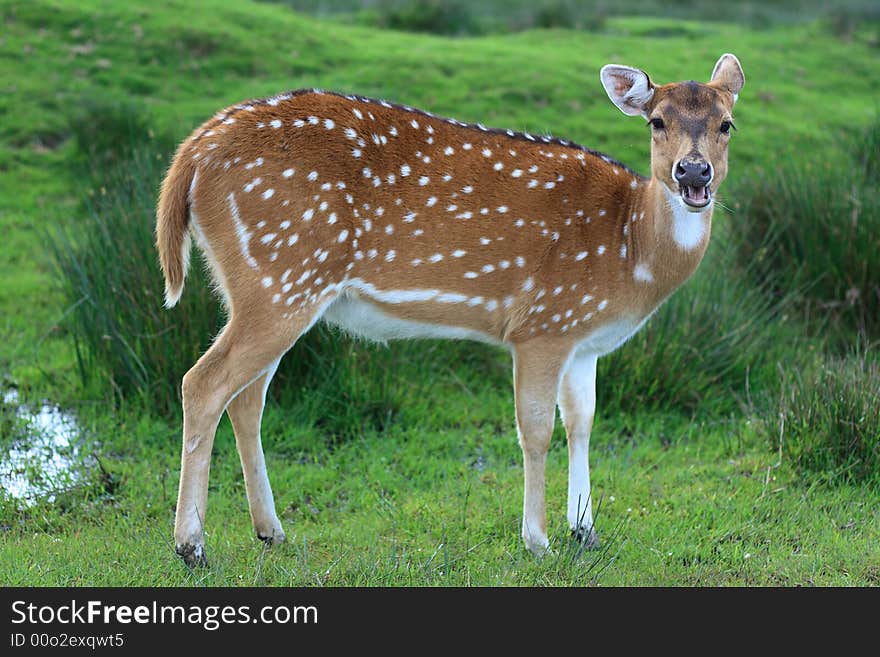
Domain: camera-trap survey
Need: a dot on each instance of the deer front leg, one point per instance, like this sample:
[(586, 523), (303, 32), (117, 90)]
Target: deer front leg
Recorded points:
[(536, 371), (246, 412), (577, 406)]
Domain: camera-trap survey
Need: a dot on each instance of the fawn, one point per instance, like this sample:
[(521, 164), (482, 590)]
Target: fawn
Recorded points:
[(390, 222)]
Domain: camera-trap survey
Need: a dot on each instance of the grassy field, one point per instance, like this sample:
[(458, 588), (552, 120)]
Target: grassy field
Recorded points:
[(711, 460)]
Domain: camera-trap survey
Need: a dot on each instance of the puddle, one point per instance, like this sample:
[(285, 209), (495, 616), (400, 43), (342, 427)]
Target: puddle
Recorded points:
[(44, 458)]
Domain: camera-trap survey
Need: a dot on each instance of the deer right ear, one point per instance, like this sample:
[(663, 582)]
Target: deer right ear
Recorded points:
[(628, 88)]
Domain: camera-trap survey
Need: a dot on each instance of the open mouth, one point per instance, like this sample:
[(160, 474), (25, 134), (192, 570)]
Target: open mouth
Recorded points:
[(696, 196)]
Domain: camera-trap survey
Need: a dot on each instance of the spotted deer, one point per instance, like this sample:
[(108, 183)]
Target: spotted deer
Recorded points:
[(390, 222)]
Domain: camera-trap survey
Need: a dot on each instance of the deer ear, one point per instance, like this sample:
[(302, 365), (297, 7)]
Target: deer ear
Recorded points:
[(628, 88), (728, 75)]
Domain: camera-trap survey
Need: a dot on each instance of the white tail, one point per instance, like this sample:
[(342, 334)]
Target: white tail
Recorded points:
[(394, 223)]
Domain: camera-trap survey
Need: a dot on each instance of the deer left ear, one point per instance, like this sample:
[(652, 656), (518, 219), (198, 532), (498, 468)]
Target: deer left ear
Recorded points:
[(728, 75), (628, 88)]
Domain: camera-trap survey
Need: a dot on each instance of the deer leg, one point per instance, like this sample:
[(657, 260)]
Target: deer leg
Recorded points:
[(577, 406), (242, 354), (536, 382), (246, 412)]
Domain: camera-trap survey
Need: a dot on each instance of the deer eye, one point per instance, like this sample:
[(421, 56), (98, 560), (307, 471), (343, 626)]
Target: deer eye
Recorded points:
[(726, 126), (657, 123)]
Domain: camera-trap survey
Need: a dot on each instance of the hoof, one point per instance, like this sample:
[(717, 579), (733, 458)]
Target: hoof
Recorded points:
[(587, 537), (193, 555), (539, 547), (273, 539)]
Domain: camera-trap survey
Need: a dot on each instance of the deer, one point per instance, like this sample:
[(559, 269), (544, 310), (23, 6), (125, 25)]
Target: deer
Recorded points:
[(390, 222)]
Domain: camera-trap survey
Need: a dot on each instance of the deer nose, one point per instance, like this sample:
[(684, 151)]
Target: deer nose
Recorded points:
[(696, 173)]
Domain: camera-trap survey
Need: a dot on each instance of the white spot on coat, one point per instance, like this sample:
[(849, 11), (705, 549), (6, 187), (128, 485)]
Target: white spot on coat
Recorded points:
[(241, 231), (642, 273)]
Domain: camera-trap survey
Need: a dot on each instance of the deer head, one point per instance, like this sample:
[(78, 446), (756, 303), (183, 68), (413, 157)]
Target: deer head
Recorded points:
[(690, 125)]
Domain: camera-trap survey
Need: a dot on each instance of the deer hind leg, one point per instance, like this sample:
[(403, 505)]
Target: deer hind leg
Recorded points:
[(536, 382), (577, 406), (244, 352), (246, 412)]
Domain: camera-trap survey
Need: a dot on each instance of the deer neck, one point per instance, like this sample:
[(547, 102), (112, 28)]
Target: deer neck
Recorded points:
[(668, 241)]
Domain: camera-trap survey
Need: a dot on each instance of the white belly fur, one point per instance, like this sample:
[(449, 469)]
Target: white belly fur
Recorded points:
[(359, 317), (609, 337)]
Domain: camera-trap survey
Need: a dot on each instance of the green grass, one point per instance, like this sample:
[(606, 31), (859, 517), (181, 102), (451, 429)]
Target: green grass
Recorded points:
[(411, 507), (457, 17), (827, 421), (399, 465), (415, 507), (814, 224)]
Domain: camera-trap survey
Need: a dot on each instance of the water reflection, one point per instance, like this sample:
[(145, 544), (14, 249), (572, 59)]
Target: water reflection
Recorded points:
[(43, 457)]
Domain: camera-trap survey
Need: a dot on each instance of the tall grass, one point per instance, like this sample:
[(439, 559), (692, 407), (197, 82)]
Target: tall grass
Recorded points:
[(713, 338), (827, 422), (814, 224), (812, 233), (126, 342)]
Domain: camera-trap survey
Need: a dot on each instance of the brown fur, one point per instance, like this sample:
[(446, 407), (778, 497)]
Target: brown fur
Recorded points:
[(172, 224)]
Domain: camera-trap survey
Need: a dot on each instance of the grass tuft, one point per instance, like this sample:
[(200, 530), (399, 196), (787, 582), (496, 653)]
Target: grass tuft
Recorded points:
[(814, 225), (125, 341), (828, 419)]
